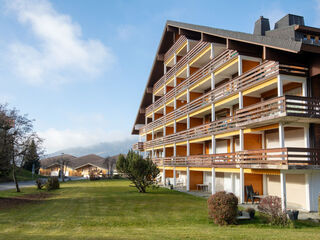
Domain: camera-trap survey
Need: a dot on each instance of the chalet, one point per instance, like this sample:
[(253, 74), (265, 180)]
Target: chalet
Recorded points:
[(224, 110)]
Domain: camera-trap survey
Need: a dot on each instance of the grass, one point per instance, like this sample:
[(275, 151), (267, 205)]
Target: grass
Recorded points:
[(112, 210), (22, 175)]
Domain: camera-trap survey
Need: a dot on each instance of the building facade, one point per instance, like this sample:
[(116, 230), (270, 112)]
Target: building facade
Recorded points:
[(224, 110)]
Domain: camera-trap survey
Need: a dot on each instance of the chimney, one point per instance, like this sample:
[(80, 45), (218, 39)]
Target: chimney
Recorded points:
[(261, 26), (289, 20)]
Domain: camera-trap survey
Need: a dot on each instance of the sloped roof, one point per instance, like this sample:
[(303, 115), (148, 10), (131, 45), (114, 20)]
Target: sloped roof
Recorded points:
[(284, 44), (76, 162), (47, 162)]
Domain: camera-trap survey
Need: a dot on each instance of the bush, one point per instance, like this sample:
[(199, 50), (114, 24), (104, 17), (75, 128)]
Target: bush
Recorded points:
[(223, 208), (52, 183), (271, 206), (40, 183)]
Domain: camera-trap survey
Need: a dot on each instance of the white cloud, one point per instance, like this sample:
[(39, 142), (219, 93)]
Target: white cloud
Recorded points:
[(55, 139), (60, 53)]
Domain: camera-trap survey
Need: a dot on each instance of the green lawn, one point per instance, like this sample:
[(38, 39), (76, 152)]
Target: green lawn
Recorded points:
[(112, 210)]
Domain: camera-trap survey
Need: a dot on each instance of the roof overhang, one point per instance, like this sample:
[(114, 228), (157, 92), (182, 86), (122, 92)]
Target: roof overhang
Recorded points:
[(209, 34), (86, 164)]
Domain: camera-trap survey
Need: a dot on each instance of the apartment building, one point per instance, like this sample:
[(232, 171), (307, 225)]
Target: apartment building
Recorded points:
[(223, 110)]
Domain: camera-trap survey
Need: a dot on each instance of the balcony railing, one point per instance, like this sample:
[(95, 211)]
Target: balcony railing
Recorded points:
[(261, 73), (181, 40), (194, 78), (274, 156), (285, 157), (139, 146), (286, 106), (181, 63)]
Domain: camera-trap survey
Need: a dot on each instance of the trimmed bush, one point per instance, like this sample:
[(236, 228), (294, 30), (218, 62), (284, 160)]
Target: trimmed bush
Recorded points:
[(40, 183), (52, 183), (223, 208), (271, 207)]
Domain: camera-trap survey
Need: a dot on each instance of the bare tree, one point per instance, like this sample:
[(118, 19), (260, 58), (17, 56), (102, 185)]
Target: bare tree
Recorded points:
[(110, 163), (63, 161), (18, 134)]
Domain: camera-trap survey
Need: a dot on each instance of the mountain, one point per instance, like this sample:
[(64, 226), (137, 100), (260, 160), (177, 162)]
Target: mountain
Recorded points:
[(102, 149)]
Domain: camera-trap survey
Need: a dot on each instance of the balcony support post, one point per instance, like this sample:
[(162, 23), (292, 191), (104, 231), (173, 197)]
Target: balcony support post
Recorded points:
[(212, 51), (164, 175), (164, 152), (175, 59), (240, 100), (213, 144), (306, 136), (188, 179), (241, 187), (308, 197), (164, 68), (174, 81), (280, 86), (304, 88), (241, 140), (281, 135), (174, 150), (175, 126), (188, 96), (188, 45), (213, 83), (175, 103), (213, 112), (153, 98), (164, 131), (283, 191), (188, 121), (174, 177), (239, 65), (213, 181), (188, 148), (188, 70)]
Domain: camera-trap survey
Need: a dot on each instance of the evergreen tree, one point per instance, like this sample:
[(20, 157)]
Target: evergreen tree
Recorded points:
[(31, 157)]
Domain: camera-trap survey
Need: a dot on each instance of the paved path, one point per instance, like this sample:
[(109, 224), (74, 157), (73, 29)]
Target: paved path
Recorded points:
[(11, 185)]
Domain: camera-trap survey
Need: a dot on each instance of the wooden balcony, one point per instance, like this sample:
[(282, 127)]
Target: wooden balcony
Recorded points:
[(179, 65), (257, 75), (180, 42), (278, 158), (194, 78), (288, 108), (139, 146)]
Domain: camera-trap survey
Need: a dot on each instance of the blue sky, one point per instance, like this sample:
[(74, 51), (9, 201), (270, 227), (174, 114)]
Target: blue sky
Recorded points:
[(79, 67)]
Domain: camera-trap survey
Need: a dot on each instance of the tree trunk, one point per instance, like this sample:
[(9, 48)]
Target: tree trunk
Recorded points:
[(62, 172), (15, 177)]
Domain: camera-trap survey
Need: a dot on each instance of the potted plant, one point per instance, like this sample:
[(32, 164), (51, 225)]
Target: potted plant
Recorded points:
[(251, 212)]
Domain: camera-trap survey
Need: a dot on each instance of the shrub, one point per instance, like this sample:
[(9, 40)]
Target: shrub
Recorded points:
[(271, 206), (40, 183), (52, 183), (141, 172), (223, 208)]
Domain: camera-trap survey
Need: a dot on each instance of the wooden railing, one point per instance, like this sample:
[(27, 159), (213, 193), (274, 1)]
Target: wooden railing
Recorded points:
[(249, 158), (139, 146), (181, 40), (261, 73), (260, 112), (194, 78), (180, 64)]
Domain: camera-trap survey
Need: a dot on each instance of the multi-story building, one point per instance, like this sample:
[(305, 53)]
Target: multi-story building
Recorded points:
[(223, 110)]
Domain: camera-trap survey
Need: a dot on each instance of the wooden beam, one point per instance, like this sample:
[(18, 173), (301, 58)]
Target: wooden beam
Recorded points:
[(149, 90), (190, 34), (160, 57), (209, 38), (172, 29)]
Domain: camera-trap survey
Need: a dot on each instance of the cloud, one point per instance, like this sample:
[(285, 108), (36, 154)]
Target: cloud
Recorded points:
[(56, 139), (59, 53)]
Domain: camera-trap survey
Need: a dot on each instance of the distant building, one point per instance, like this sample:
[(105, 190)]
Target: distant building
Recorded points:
[(80, 166), (224, 109)]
